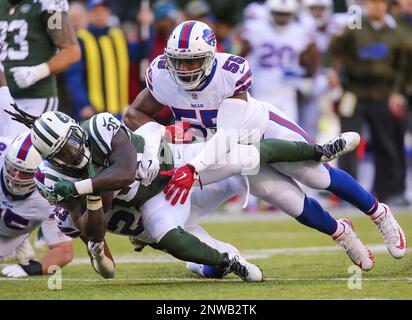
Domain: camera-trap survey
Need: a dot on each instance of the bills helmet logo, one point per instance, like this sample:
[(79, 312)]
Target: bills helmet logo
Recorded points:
[(209, 37)]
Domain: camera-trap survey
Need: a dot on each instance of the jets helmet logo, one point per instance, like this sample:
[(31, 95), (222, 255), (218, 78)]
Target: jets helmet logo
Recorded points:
[(63, 118)]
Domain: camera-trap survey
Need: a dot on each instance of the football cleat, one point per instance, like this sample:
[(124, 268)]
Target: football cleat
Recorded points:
[(205, 271), (354, 247), (343, 144), (243, 269), (394, 236)]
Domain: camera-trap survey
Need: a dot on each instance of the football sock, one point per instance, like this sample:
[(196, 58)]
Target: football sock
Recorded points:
[(340, 228), (277, 150), (347, 188), (184, 246), (316, 217)]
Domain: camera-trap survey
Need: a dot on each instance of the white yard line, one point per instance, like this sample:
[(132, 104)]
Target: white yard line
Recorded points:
[(129, 280), (248, 254)]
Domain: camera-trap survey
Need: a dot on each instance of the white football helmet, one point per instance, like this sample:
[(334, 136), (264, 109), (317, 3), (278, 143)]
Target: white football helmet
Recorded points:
[(283, 6), (321, 18), (60, 140), (21, 162), (190, 41)]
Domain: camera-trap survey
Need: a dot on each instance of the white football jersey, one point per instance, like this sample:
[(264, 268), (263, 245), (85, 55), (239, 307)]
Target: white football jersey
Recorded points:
[(231, 75), (20, 215), (275, 57)]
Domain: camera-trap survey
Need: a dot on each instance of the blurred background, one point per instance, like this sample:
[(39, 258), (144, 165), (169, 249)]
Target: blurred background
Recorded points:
[(306, 59)]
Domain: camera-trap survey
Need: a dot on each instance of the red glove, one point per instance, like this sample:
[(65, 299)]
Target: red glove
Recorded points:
[(179, 133), (182, 181)]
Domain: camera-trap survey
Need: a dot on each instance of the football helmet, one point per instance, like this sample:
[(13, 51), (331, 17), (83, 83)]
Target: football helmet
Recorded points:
[(21, 162), (190, 53), (61, 140), (283, 6), (321, 10)]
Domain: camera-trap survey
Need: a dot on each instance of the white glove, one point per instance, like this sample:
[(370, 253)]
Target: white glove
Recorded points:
[(148, 169), (14, 271), (96, 249), (27, 76), (102, 264)]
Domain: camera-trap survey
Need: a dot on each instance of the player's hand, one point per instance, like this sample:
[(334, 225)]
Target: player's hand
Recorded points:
[(96, 249), (148, 169), (181, 182), (64, 189), (14, 271), (27, 76), (179, 133)]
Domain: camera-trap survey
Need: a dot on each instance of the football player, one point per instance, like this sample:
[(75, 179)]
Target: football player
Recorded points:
[(122, 216), (281, 54), (107, 144), (37, 42), (23, 209), (209, 91), (131, 167)]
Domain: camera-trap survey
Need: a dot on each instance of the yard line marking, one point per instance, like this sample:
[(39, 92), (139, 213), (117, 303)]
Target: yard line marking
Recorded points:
[(247, 254), (37, 279)]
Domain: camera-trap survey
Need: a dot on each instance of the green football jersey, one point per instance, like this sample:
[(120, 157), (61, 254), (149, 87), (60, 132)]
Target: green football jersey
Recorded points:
[(101, 128), (24, 41)]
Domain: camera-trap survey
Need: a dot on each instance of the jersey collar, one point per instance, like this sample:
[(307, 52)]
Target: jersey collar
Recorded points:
[(207, 80), (8, 194)]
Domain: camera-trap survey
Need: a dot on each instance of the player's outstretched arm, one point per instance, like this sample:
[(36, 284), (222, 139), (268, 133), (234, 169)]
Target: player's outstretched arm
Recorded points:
[(59, 255), (88, 218), (142, 110)]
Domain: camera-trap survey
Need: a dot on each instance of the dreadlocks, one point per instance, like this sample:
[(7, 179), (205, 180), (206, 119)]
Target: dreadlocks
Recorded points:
[(21, 116)]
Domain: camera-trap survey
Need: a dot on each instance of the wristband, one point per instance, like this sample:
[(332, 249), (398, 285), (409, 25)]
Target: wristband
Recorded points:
[(33, 268), (84, 186), (94, 202), (42, 71)]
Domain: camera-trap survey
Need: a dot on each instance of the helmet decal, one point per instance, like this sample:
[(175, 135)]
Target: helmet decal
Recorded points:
[(39, 176), (62, 117), (185, 35), (209, 37), (24, 149)]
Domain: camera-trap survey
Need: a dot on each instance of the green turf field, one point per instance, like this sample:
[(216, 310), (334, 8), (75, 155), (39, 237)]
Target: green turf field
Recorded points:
[(298, 263)]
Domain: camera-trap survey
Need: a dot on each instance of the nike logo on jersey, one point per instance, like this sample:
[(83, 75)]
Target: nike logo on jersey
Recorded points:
[(243, 70), (184, 175), (150, 163)]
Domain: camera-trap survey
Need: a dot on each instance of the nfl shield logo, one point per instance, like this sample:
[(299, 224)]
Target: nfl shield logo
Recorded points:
[(194, 96)]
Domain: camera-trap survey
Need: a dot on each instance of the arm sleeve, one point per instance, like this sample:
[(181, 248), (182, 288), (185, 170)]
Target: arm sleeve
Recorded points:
[(229, 124), (152, 133)]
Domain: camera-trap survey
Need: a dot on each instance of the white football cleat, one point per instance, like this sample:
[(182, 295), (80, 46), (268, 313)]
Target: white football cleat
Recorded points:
[(344, 143), (23, 252), (392, 233), (354, 247), (245, 270)]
